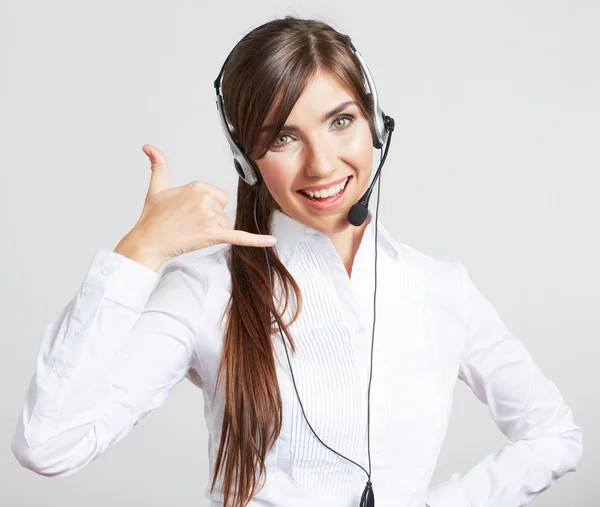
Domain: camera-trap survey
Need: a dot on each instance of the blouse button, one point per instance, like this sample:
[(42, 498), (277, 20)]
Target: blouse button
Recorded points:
[(106, 270), (63, 372)]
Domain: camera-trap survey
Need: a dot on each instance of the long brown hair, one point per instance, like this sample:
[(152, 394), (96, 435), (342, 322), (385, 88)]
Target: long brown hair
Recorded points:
[(265, 74)]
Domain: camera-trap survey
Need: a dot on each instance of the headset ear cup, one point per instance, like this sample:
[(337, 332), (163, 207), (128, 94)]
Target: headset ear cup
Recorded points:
[(238, 168), (246, 168), (375, 134), (257, 174), (376, 142)]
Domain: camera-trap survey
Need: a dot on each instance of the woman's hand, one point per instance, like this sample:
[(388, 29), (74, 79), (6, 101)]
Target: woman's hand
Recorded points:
[(178, 220)]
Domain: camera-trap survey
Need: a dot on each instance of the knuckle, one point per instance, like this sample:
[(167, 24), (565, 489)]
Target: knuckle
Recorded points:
[(206, 201), (196, 186)]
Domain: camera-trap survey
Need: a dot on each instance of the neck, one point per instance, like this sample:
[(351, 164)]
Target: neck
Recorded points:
[(346, 244)]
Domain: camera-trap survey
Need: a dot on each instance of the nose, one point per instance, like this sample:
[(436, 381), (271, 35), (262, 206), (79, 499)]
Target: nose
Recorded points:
[(320, 159)]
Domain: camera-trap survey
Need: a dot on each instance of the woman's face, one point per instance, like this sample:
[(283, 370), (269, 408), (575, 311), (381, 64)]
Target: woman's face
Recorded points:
[(315, 148)]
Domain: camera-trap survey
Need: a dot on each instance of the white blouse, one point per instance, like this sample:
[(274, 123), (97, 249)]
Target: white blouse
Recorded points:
[(130, 334)]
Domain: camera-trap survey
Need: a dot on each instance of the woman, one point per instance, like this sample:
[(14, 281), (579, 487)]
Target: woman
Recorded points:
[(130, 335)]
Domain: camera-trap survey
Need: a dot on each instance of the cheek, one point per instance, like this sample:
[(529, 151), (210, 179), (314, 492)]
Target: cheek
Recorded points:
[(358, 148), (276, 177)]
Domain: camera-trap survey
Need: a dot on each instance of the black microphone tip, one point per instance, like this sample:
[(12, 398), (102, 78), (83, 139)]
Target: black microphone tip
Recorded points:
[(358, 214)]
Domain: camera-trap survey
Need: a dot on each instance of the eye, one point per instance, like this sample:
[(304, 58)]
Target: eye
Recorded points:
[(276, 144), (341, 118)]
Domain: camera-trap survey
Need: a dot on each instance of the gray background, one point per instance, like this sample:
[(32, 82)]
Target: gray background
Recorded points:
[(494, 161)]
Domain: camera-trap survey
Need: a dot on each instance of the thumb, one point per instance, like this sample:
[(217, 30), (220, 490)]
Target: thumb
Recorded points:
[(159, 178)]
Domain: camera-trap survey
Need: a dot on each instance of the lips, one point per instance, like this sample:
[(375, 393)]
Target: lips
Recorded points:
[(338, 186), (327, 203), (328, 185)]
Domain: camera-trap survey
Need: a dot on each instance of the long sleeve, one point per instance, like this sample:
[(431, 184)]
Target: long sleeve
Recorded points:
[(543, 441), (108, 358)]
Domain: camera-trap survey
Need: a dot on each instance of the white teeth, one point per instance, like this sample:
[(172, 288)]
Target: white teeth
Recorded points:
[(327, 192)]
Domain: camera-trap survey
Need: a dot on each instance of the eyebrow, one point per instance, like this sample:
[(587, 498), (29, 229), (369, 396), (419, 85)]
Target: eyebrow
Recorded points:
[(324, 118)]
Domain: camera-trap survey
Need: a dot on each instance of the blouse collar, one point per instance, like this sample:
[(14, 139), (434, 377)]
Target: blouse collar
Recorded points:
[(289, 232)]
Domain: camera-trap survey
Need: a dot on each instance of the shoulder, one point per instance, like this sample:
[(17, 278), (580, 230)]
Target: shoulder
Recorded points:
[(442, 274)]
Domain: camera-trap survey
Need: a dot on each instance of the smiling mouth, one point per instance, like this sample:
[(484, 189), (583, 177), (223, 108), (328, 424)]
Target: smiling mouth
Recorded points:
[(319, 195)]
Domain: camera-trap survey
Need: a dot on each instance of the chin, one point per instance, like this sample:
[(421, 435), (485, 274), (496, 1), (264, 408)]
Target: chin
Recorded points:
[(328, 224)]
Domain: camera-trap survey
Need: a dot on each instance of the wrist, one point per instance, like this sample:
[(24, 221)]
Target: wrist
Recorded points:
[(134, 248)]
